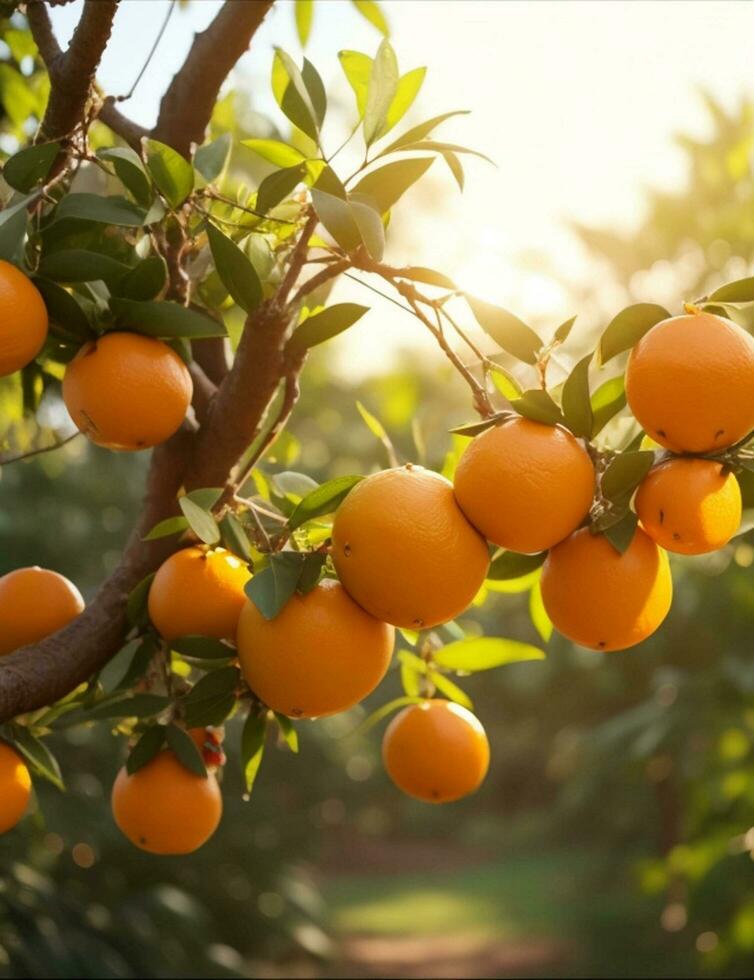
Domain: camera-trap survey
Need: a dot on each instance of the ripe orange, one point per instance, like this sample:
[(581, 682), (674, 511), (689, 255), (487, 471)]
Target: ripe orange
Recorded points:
[(525, 485), (15, 787), (690, 506), (198, 592), (404, 550), (164, 808), (126, 391), (35, 602), (23, 319), (322, 654), (436, 751), (690, 383), (602, 599)]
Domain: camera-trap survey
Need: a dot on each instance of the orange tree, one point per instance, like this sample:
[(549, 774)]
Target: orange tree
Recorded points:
[(238, 594)]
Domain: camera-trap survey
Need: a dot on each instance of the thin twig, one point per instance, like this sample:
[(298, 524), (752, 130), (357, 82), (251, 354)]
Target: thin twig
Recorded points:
[(330, 271), (39, 452), (153, 50)]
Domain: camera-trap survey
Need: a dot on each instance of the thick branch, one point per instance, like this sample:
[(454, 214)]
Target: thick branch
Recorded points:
[(186, 107), (72, 73), (121, 125)]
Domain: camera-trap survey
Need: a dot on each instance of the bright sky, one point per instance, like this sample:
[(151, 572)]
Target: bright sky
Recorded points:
[(577, 102)]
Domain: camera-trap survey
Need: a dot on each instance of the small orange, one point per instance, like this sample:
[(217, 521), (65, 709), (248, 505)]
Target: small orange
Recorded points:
[(15, 787), (602, 599), (690, 383), (404, 550), (322, 654), (35, 602), (436, 751), (164, 808), (691, 506), (23, 319), (525, 485), (198, 592), (127, 391)]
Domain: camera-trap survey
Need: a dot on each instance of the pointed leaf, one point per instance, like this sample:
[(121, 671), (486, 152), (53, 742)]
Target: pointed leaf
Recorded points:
[(607, 401), (576, 403), (419, 273), (420, 131), (67, 318), (322, 326), (406, 92), (512, 565), (234, 537), (36, 753), (212, 158), (130, 171), (316, 90), (277, 186), (287, 730), (739, 291), (358, 70), (304, 11), (383, 86), (484, 653), (271, 588), (371, 228), (324, 500), (508, 332), (185, 749), (145, 749), (102, 210), (202, 648), (275, 152), (450, 690), (538, 613), (164, 529), (173, 174), (383, 712), (386, 185), (291, 94), (78, 265), (506, 384), (625, 473), (235, 270), (30, 166), (456, 168), (140, 661), (372, 12), (538, 405), (252, 747), (145, 281), (563, 332), (628, 327), (201, 522), (138, 706), (211, 699), (165, 319), (621, 535)]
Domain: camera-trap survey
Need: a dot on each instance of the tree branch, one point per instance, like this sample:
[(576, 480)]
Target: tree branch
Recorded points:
[(121, 125), (186, 107), (72, 73)]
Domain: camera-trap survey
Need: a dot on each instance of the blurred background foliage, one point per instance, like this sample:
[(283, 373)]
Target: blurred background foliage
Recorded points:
[(614, 834)]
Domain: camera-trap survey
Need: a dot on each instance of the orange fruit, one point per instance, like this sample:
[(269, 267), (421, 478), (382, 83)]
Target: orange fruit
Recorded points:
[(164, 808), (525, 485), (436, 751), (602, 599), (35, 602), (15, 787), (126, 391), (320, 655), (404, 550), (691, 506), (198, 592), (23, 319), (690, 383)]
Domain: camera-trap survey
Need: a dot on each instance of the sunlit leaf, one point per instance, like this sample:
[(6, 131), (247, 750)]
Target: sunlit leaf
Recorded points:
[(628, 327), (538, 613), (576, 401), (625, 472), (607, 401), (538, 405), (420, 131), (275, 152), (484, 653), (252, 747), (386, 185), (165, 319), (201, 522), (173, 174), (450, 689), (287, 730), (211, 159), (358, 70), (304, 13), (271, 588), (36, 753), (324, 500), (512, 565), (506, 329), (373, 13), (130, 171), (383, 87), (621, 534), (211, 699), (166, 528), (322, 326), (235, 270)]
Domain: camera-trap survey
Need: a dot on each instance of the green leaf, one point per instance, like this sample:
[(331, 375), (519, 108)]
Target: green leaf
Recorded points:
[(210, 700), (324, 500), (510, 565), (173, 174), (277, 186), (136, 607), (628, 327), (377, 429), (334, 211), (475, 428), (235, 270), (508, 332), (358, 70), (621, 534), (383, 87), (185, 750), (145, 281), (506, 384), (456, 168), (36, 753), (322, 326), (292, 96), (142, 658), (625, 473), (14, 219), (145, 749), (386, 185), (113, 210), (576, 401), (316, 90), (212, 158), (739, 291), (420, 131), (164, 529), (434, 146), (138, 706), (419, 273), (484, 653), (304, 12), (206, 497), (371, 228), (406, 92), (252, 747), (538, 405), (383, 712), (165, 319), (130, 171), (450, 690), (78, 265), (372, 12), (607, 401), (30, 166), (201, 522), (202, 648), (271, 588), (563, 332), (287, 730), (67, 318), (275, 152), (311, 571), (411, 677), (538, 613), (234, 537)]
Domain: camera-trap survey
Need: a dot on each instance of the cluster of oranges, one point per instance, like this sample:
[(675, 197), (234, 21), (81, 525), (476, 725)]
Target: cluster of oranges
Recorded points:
[(410, 550)]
